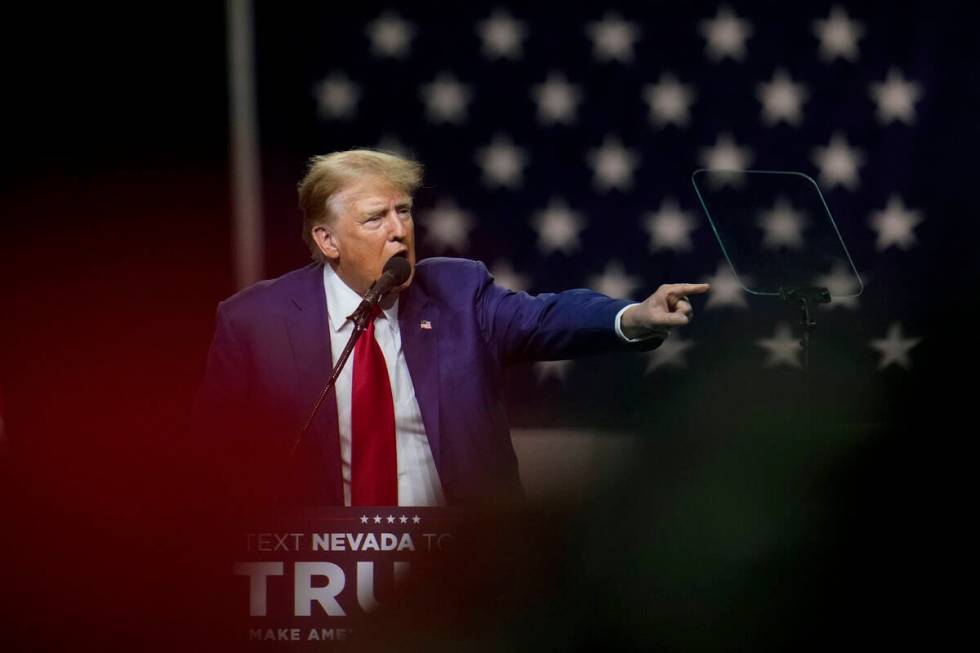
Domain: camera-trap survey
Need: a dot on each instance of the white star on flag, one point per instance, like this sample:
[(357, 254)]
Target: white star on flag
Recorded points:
[(783, 348), (669, 101), (843, 287), (391, 519), (416, 519), (894, 348), (377, 519), (894, 225), (613, 38), (838, 163), (558, 227), (502, 36), (502, 163), (896, 98), (782, 99), (724, 160), (364, 519), (390, 35), (505, 276), (446, 99), (403, 519), (336, 96), (725, 289), (725, 34), (557, 100), (614, 282), (612, 165), (783, 226), (447, 227), (670, 227), (838, 35), (669, 354), (552, 369)]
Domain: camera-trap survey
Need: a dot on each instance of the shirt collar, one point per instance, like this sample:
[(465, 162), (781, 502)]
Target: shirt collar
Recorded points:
[(342, 300)]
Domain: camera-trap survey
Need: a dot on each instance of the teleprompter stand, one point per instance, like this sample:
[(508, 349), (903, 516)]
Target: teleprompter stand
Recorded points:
[(806, 297)]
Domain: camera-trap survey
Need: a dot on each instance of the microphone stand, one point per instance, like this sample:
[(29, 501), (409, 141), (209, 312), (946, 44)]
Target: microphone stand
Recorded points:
[(396, 271), (360, 317)]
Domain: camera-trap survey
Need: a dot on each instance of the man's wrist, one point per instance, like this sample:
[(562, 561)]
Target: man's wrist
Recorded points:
[(628, 331)]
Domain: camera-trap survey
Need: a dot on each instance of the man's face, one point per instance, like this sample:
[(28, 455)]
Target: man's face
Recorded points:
[(372, 223)]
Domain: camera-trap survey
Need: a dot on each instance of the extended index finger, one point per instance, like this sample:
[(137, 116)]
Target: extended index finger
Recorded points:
[(689, 288)]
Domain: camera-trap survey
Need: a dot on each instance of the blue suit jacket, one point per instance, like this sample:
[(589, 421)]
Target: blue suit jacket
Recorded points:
[(271, 357)]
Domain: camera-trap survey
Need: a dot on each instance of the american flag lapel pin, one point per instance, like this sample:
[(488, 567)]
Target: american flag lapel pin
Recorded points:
[(426, 325)]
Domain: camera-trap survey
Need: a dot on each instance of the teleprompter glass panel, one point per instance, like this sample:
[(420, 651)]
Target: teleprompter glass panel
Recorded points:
[(776, 231)]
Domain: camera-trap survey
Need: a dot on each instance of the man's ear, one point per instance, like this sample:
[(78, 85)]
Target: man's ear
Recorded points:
[(326, 241)]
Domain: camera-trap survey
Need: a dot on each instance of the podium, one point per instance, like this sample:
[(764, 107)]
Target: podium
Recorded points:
[(317, 576)]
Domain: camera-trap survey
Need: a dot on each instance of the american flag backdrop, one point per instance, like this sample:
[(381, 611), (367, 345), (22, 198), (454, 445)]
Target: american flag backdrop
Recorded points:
[(759, 504), (559, 144)]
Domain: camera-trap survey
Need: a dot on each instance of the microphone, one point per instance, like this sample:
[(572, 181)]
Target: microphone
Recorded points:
[(396, 272)]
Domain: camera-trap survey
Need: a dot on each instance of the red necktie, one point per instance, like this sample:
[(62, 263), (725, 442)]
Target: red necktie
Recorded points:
[(374, 470)]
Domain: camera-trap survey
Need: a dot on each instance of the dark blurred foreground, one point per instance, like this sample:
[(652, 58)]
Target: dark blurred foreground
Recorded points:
[(763, 535)]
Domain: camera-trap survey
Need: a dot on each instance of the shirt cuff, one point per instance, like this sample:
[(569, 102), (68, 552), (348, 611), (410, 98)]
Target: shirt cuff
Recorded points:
[(658, 332)]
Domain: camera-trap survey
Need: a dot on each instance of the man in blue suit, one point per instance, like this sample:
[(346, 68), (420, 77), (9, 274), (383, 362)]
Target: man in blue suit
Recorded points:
[(444, 337)]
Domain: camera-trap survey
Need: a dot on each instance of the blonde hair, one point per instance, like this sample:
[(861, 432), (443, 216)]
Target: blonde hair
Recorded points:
[(328, 174)]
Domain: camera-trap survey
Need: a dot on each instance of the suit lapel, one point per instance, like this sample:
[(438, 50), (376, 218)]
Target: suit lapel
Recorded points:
[(306, 322), (418, 322)]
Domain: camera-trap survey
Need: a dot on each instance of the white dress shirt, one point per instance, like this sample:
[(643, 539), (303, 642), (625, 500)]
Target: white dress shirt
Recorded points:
[(418, 478)]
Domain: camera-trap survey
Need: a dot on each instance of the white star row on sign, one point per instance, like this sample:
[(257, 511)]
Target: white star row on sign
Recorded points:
[(894, 225), (613, 38), (502, 36), (448, 227), (782, 99), (377, 519), (725, 34), (613, 165), (838, 163), (838, 35), (558, 227), (669, 354), (502, 163), (557, 100), (670, 227), (669, 101)]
